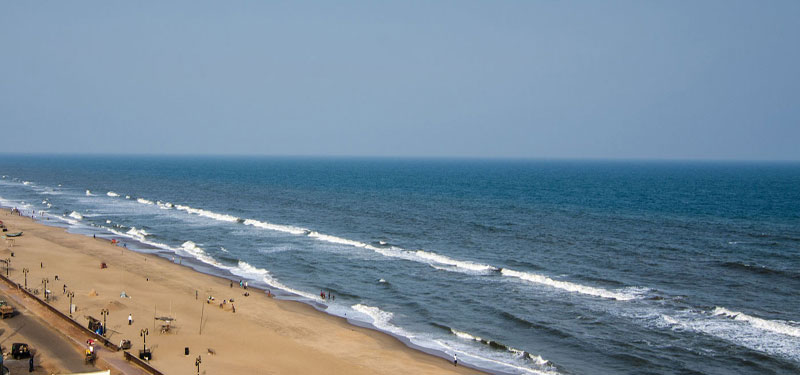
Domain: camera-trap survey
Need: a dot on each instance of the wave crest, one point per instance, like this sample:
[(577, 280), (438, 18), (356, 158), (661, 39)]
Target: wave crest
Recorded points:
[(208, 214), (767, 325), (568, 286)]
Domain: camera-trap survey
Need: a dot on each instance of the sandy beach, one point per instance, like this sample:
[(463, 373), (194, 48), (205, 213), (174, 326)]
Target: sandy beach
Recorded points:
[(263, 336)]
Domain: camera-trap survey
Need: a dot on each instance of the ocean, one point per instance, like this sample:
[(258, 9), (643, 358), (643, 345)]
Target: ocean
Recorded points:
[(518, 266)]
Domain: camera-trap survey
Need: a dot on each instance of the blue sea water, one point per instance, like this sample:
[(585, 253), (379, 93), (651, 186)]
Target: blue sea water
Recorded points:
[(529, 267)]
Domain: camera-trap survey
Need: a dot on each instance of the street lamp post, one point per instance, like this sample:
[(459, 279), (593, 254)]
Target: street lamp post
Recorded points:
[(144, 334), (70, 295), (197, 363), (104, 312), (8, 262), (25, 271), (44, 290)]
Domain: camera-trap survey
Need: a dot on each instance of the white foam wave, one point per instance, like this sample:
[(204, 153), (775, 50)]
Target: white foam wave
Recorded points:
[(112, 194), (76, 215), (520, 353), (198, 253), (208, 214), (65, 219), (246, 270), (441, 259), (26, 182), (142, 240), (420, 256), (164, 205), (138, 234), (507, 367), (723, 324), (127, 197), (275, 227), (108, 221), (764, 324), (568, 286), (89, 193), (464, 335), (337, 240), (144, 201), (380, 319)]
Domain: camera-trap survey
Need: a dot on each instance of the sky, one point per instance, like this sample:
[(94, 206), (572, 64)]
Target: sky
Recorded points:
[(478, 79)]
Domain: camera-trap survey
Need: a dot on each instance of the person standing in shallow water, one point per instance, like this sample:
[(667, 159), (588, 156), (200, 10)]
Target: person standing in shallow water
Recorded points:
[(455, 359)]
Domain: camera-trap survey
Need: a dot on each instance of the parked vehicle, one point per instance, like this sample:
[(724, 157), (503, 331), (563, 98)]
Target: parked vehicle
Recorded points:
[(20, 350)]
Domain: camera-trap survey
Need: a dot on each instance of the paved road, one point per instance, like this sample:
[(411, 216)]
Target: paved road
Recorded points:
[(40, 336)]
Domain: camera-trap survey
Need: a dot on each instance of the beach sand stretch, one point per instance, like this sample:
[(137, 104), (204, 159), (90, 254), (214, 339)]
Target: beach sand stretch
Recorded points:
[(263, 336)]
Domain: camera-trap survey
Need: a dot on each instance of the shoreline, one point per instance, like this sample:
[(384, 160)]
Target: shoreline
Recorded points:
[(296, 307)]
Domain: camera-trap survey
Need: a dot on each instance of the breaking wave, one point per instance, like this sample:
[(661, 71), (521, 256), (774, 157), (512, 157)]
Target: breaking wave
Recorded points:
[(568, 286), (138, 234), (112, 194), (768, 325), (75, 215), (246, 270), (380, 319), (208, 214), (275, 227), (421, 256), (165, 205), (768, 336), (538, 360), (198, 253)]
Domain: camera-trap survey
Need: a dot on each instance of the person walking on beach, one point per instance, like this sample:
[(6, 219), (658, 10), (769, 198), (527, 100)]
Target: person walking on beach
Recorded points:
[(455, 359), (30, 363), (130, 319), (245, 285)]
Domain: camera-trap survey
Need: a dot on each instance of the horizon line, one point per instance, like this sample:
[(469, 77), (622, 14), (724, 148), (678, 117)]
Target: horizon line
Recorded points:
[(402, 157)]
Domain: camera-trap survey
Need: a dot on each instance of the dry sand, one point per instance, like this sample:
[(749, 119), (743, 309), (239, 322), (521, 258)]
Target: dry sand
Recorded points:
[(263, 336)]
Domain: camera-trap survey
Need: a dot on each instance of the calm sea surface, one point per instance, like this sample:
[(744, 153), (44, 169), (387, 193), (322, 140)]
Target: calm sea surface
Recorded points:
[(553, 267)]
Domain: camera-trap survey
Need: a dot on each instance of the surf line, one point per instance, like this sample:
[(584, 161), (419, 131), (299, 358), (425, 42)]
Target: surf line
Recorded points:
[(420, 256)]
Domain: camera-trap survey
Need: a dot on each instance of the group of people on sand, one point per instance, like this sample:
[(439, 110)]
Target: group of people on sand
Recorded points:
[(242, 284), (223, 303)]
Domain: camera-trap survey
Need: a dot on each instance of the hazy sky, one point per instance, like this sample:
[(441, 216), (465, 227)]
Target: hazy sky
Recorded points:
[(539, 79)]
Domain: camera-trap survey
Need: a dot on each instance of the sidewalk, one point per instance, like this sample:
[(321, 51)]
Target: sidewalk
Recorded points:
[(60, 340)]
